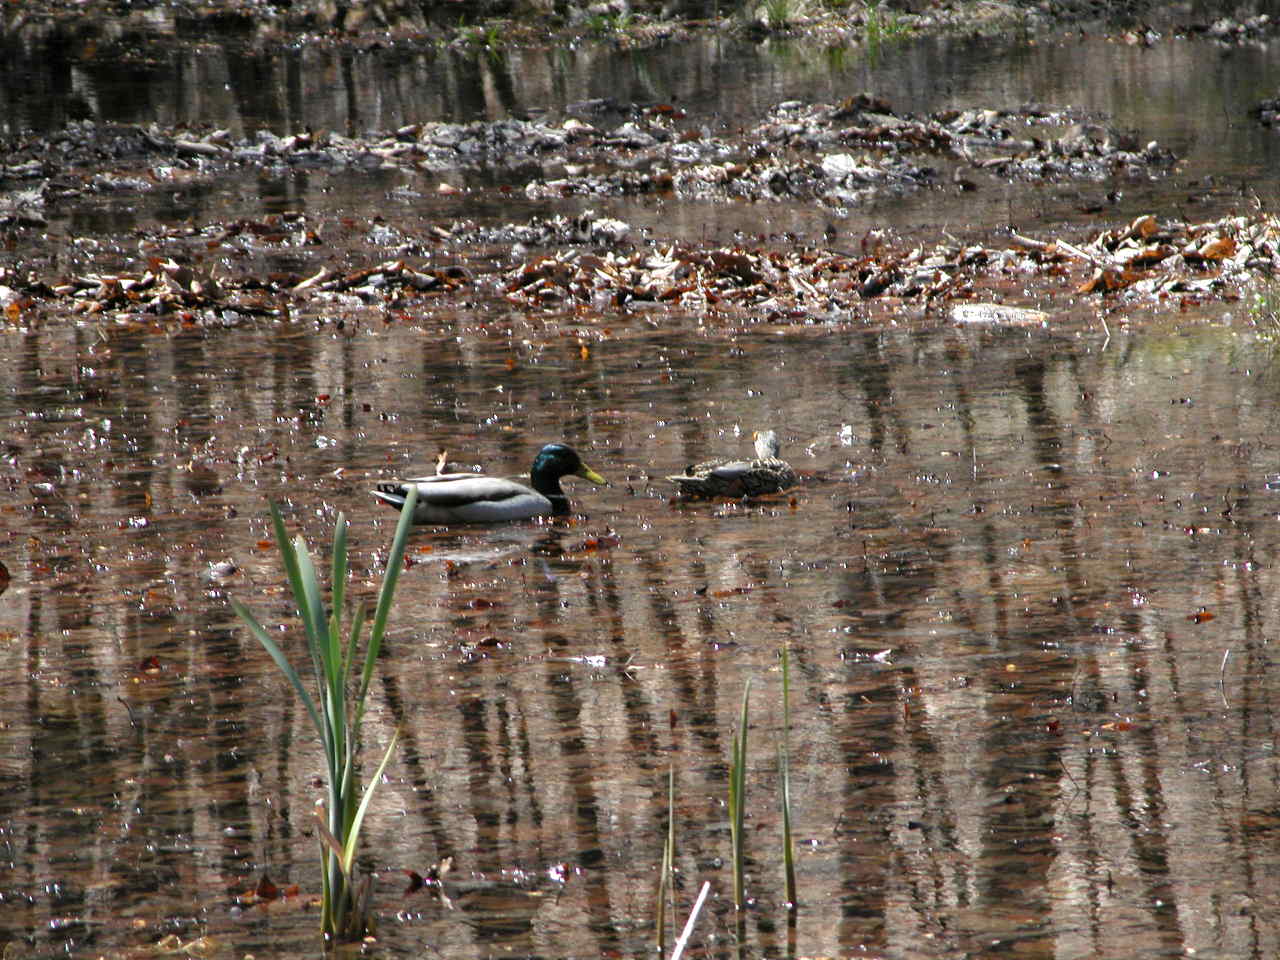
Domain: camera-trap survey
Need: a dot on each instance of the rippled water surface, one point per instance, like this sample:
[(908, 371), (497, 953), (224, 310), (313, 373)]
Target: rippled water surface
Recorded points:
[(1024, 583)]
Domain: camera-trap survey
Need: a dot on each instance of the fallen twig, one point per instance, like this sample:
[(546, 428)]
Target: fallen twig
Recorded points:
[(693, 916)]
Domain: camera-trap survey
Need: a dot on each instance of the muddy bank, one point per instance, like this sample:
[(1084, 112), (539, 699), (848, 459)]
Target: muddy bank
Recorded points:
[(494, 24), (374, 268), (595, 204)]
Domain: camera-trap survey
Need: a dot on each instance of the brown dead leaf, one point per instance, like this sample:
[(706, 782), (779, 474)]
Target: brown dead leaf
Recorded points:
[(1218, 248), (1147, 255), (1143, 227), (1105, 280)]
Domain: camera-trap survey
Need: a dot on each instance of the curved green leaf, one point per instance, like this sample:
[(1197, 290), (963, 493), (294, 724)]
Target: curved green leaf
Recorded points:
[(395, 562), (281, 661), (353, 832)]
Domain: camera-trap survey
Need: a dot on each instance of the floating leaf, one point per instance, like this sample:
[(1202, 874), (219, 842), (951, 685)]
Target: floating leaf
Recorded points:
[(1219, 248), (1117, 726)]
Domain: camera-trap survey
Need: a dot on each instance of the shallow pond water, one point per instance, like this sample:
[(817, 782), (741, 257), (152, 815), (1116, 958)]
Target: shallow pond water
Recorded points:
[(1023, 583)]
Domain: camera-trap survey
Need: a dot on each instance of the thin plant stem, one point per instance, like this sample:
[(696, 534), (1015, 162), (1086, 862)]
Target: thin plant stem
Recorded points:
[(666, 882), (737, 802), (784, 763)]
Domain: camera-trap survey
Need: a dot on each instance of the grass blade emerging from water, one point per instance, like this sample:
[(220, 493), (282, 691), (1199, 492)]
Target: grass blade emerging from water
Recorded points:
[(737, 798), (666, 882), (784, 766)]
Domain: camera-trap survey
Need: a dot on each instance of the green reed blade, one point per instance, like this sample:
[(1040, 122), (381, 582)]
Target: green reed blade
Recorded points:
[(737, 801), (395, 563), (353, 831), (281, 661), (784, 764)]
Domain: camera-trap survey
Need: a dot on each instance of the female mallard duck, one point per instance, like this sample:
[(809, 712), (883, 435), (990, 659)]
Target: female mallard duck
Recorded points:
[(476, 498), (738, 478)]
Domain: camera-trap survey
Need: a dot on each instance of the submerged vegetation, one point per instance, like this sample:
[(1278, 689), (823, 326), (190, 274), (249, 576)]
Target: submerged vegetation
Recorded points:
[(337, 710)]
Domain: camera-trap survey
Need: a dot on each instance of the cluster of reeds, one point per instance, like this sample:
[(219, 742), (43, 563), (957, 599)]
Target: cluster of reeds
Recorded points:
[(780, 14), (882, 23), (738, 794), (737, 823), (337, 709)]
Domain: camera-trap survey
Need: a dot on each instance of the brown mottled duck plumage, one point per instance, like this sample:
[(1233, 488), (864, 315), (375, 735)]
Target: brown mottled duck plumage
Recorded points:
[(767, 473)]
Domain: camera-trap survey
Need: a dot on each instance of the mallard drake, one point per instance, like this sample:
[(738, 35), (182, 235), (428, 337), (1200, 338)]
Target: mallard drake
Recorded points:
[(475, 498), (738, 478)]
